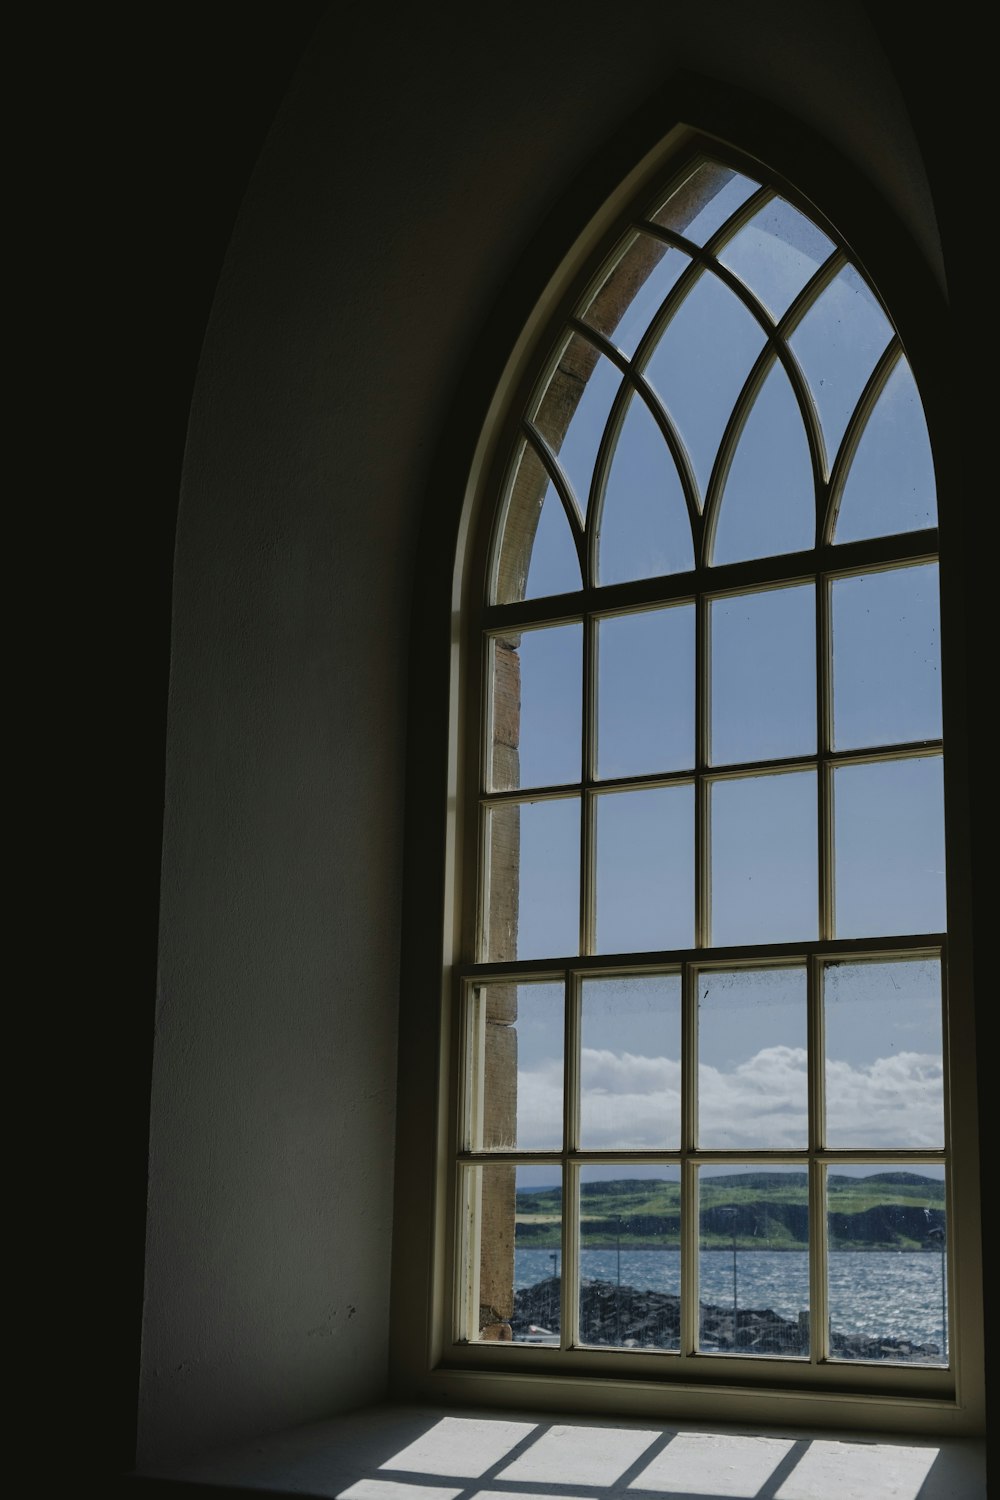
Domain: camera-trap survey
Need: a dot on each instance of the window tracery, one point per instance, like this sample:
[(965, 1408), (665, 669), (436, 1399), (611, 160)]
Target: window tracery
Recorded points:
[(702, 1025)]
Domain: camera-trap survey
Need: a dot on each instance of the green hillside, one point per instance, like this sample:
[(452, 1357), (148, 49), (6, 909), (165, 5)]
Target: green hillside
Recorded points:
[(762, 1210)]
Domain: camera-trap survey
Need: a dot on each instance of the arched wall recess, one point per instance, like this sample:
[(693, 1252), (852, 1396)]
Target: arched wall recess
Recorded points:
[(702, 914)]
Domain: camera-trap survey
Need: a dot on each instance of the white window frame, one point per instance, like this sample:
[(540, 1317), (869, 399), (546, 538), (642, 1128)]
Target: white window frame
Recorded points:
[(427, 1356)]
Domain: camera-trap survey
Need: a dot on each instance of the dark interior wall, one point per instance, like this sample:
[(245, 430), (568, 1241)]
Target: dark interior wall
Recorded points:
[(410, 164), (167, 121)]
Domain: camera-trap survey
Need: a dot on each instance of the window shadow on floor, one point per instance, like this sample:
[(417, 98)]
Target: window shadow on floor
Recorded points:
[(402, 1453)]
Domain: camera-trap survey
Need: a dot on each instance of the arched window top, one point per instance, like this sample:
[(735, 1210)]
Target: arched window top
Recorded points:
[(728, 388)]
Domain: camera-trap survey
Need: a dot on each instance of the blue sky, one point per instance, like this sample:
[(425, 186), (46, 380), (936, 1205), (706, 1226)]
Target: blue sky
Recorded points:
[(885, 674)]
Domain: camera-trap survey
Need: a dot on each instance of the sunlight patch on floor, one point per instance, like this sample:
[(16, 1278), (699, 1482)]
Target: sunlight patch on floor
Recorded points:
[(395, 1489), (580, 1455), (858, 1471), (463, 1447), (697, 1463)]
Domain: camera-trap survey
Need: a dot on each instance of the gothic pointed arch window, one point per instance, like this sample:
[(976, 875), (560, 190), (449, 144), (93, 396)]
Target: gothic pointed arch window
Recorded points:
[(702, 1111)]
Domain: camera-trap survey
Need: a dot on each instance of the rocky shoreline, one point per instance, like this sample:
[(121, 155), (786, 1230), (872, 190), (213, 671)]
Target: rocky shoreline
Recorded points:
[(624, 1317)]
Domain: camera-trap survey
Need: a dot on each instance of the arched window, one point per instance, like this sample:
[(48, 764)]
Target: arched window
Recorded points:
[(701, 1100)]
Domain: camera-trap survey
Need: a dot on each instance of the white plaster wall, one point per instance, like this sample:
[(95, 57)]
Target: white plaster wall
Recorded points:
[(416, 153)]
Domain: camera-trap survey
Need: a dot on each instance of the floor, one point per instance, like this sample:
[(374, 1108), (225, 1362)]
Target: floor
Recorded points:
[(432, 1453)]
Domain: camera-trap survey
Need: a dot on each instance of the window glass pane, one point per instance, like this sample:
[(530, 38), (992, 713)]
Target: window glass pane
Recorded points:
[(630, 1063), (533, 910), (537, 555), (890, 483), (644, 528), (537, 1256), (886, 658), (753, 1265), (763, 675), (630, 1259), (752, 1081), (554, 566), (704, 201), (889, 847), (887, 1263), (700, 364), (645, 870), (838, 344), (776, 253), (764, 859), (537, 687), (768, 504), (632, 292), (518, 1215), (645, 692), (574, 410), (884, 1055), (516, 1061)]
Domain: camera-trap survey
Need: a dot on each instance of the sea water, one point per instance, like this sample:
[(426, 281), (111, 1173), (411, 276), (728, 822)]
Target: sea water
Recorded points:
[(872, 1292)]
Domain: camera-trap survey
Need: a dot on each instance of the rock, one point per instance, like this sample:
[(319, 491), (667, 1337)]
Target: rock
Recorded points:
[(626, 1317)]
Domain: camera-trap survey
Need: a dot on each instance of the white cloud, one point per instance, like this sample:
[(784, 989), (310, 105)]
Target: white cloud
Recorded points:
[(634, 1101), (762, 1102), (897, 1101), (629, 1101), (625, 1073)]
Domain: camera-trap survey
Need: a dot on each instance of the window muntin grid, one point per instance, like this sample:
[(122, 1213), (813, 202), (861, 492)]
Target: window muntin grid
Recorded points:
[(694, 558)]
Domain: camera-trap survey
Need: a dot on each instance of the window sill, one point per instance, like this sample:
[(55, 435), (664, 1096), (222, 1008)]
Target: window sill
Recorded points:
[(430, 1452)]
